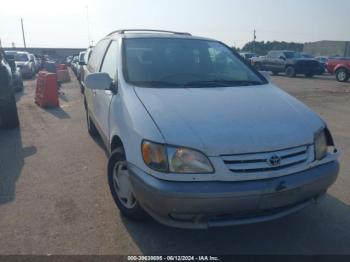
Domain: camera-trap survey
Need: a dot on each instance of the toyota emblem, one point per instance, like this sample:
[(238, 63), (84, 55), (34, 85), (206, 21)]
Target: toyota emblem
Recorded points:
[(274, 161)]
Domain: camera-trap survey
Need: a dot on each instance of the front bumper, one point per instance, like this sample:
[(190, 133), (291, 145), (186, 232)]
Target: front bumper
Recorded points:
[(212, 204)]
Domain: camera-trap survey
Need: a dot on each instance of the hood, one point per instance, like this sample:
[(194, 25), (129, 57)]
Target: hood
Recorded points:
[(230, 120)]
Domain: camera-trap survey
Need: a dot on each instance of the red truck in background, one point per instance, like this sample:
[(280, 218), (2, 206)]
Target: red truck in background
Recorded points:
[(340, 67)]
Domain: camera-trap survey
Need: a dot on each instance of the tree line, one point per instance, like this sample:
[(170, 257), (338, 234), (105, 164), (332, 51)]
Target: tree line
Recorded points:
[(261, 48)]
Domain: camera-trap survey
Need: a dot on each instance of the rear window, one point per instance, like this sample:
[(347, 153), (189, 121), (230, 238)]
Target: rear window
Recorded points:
[(21, 57)]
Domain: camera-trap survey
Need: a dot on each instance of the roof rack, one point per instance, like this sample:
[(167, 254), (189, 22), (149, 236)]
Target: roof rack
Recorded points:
[(147, 30)]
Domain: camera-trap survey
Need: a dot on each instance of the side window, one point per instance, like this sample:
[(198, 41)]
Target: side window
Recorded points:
[(97, 56), (110, 60)]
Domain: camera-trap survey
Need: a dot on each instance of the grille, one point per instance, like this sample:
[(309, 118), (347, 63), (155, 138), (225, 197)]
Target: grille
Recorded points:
[(269, 161)]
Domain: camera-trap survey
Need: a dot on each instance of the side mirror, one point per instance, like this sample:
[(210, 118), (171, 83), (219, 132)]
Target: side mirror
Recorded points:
[(282, 58), (82, 63), (266, 75), (98, 81)]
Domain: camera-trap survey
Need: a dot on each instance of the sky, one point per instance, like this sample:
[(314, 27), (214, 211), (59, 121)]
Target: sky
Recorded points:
[(75, 23)]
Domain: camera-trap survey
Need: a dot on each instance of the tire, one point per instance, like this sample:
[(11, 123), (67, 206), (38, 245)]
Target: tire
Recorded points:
[(92, 130), (275, 73), (342, 75), (10, 115), (19, 87), (290, 71), (121, 189), (309, 75)]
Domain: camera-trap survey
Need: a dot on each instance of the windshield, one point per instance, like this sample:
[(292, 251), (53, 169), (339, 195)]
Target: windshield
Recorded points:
[(162, 62), (291, 54), (21, 57)]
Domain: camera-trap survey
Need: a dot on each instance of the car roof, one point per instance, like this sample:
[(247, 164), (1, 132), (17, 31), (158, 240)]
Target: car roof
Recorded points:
[(284, 51), (128, 34), (23, 52)]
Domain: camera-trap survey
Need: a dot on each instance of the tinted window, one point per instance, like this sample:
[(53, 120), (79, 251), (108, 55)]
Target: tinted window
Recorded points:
[(110, 60), (20, 57), (97, 55), (179, 62), (291, 54)]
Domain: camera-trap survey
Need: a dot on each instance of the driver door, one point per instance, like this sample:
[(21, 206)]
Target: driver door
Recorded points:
[(103, 98)]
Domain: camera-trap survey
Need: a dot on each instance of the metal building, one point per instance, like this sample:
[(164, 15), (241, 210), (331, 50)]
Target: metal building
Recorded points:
[(328, 48)]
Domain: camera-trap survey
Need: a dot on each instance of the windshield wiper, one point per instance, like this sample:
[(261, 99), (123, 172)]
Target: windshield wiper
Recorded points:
[(221, 83), (154, 83)]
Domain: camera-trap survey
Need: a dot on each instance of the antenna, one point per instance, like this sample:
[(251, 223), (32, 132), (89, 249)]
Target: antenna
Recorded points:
[(24, 38), (88, 24)]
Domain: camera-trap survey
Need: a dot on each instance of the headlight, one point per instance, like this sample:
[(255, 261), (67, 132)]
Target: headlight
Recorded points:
[(320, 145), (154, 156), (175, 159)]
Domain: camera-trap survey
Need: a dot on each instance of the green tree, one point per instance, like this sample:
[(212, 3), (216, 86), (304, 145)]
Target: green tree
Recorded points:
[(261, 48)]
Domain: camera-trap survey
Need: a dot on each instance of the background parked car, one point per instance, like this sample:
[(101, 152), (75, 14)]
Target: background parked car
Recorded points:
[(340, 67), (26, 63), (83, 69), (17, 80), (322, 60), (80, 64), (8, 109), (289, 62), (38, 63), (68, 60), (74, 64), (247, 56)]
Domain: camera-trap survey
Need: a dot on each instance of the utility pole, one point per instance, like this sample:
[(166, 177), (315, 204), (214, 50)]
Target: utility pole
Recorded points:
[(24, 38), (254, 38)]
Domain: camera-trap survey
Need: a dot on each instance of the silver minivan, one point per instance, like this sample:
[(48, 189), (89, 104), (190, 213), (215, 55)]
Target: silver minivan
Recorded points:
[(198, 138)]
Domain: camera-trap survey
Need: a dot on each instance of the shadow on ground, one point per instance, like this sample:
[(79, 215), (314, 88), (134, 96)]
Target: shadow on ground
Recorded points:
[(12, 155), (99, 142), (58, 112), (326, 77), (328, 223)]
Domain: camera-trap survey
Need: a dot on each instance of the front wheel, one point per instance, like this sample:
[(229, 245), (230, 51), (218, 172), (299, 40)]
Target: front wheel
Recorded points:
[(290, 71), (120, 186), (309, 75), (342, 75)]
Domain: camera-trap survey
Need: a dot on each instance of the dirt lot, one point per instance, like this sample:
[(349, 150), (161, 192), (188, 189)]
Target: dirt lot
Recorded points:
[(55, 198)]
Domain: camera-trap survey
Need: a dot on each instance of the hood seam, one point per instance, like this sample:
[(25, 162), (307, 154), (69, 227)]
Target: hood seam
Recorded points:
[(155, 123)]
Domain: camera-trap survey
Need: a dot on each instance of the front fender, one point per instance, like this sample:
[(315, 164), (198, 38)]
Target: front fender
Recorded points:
[(131, 123), (341, 66)]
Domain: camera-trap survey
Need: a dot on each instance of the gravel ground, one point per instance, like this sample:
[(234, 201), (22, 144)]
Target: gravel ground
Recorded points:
[(55, 198)]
